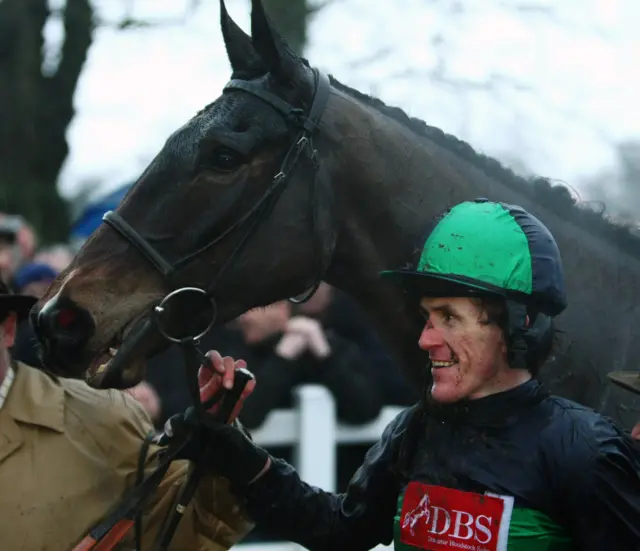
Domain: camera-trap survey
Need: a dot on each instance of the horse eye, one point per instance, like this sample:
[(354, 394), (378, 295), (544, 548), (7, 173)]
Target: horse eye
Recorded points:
[(224, 159)]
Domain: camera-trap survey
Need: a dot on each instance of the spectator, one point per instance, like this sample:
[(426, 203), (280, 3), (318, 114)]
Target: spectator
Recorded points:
[(31, 279), (57, 256), (34, 278), (9, 250), (17, 244), (288, 351), (70, 453), (342, 315)]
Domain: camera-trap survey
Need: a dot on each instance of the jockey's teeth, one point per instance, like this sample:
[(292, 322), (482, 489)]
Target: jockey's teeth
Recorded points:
[(439, 363), (113, 351)]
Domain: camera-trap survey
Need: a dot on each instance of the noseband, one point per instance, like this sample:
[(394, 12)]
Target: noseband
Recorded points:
[(107, 533)]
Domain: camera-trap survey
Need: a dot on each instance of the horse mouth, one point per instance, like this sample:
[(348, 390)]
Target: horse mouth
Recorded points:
[(96, 374), (121, 363)]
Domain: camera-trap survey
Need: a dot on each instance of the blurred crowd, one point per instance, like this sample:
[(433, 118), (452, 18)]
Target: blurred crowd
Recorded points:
[(327, 341)]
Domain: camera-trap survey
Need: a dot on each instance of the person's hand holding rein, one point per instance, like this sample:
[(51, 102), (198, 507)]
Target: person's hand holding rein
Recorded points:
[(220, 373), (234, 455), (635, 432)]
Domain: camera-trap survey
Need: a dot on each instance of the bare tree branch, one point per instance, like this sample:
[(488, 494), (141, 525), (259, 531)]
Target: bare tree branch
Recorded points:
[(131, 22)]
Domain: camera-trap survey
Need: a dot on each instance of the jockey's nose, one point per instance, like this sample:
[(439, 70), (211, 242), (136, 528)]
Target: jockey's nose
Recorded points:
[(430, 337), (62, 326)]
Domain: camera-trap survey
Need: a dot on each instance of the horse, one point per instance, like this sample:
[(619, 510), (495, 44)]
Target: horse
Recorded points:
[(290, 178)]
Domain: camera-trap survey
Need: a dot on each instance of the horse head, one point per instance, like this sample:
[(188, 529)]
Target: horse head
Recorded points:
[(238, 203)]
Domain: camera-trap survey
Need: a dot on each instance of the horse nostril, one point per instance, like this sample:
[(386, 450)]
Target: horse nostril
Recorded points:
[(62, 322)]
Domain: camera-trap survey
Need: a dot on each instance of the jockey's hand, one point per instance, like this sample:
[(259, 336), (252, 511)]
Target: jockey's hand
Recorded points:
[(232, 453), (221, 373), (635, 432)]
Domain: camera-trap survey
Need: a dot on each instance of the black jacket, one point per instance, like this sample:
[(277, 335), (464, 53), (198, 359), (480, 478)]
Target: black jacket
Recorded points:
[(572, 478)]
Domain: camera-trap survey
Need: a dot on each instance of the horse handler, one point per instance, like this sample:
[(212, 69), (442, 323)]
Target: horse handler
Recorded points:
[(487, 460), (68, 453)]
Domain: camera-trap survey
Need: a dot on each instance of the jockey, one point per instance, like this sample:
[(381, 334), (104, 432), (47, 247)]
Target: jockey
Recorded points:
[(68, 453), (487, 459)]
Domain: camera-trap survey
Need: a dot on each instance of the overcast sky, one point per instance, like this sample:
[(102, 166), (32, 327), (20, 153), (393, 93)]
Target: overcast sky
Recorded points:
[(552, 84)]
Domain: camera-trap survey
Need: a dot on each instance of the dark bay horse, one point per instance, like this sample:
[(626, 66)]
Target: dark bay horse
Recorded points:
[(289, 178)]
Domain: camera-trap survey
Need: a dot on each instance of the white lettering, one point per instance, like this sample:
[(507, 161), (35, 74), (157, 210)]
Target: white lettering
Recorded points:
[(462, 524), (486, 530), (436, 515)]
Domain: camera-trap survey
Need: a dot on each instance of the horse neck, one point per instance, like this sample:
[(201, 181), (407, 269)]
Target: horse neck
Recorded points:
[(385, 198)]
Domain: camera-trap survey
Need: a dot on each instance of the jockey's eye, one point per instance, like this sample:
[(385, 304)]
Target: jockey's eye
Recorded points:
[(224, 159)]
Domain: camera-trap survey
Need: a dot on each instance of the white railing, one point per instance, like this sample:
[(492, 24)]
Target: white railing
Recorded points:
[(312, 429)]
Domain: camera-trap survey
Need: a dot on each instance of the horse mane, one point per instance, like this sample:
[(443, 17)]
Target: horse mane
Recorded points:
[(556, 198)]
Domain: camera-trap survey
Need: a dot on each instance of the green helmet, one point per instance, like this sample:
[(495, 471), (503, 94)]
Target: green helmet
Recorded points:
[(482, 247)]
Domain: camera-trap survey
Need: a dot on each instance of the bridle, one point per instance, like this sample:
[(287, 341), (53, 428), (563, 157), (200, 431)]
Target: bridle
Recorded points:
[(321, 202), (108, 533)]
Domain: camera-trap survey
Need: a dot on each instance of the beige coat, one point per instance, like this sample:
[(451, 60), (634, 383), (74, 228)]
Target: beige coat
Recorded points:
[(67, 454)]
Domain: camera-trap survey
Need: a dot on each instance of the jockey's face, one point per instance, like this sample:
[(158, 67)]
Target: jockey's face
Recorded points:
[(468, 354)]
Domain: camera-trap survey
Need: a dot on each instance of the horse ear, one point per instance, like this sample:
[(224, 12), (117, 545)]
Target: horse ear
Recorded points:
[(272, 48), (240, 51)]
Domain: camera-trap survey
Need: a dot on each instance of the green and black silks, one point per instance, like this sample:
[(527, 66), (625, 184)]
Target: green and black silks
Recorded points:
[(557, 475)]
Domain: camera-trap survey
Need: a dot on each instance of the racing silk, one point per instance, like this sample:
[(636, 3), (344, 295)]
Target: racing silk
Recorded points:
[(519, 470)]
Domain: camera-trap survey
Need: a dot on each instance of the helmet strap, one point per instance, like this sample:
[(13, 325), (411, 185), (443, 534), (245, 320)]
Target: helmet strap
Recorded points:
[(529, 330)]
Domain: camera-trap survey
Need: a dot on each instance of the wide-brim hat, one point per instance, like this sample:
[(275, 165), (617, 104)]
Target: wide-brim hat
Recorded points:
[(629, 380), (19, 304)]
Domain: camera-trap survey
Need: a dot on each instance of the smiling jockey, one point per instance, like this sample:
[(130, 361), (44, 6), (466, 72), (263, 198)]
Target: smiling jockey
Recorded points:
[(487, 460)]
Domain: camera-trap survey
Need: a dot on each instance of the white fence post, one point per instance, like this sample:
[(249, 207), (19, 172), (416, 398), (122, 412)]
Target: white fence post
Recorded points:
[(315, 451), (311, 427)]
